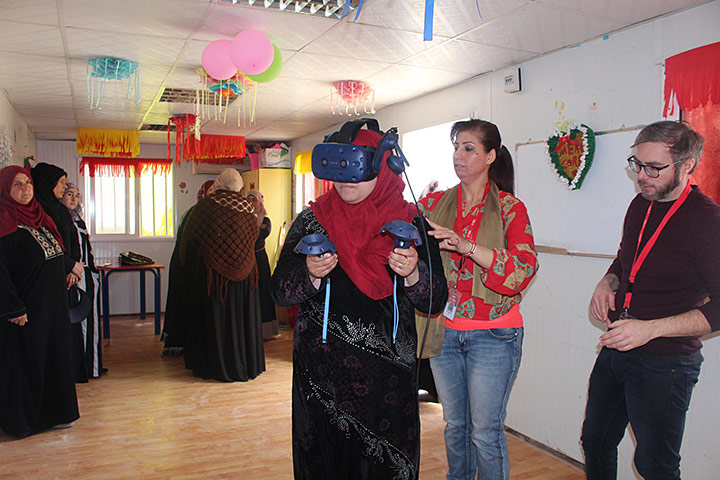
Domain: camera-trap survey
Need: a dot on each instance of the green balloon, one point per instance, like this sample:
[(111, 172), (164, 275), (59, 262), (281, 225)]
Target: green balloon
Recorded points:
[(273, 70)]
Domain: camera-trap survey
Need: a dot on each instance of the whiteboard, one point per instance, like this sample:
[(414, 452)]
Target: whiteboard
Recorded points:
[(588, 220)]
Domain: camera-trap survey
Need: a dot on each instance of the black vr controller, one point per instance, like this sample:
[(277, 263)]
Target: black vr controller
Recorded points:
[(405, 233), (315, 244), (337, 160)]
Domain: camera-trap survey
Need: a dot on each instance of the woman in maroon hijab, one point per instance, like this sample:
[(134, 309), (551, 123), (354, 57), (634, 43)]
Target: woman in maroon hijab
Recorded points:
[(37, 386), (354, 408)]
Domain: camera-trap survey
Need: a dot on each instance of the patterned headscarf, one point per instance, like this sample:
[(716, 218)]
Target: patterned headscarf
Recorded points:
[(13, 213), (76, 214), (260, 209)]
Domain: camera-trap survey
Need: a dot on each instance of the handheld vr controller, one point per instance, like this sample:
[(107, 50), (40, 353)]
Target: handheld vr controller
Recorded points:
[(337, 160), (405, 233), (315, 244)]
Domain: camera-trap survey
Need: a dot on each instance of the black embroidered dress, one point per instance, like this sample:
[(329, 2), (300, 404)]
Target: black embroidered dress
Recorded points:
[(37, 385), (355, 410)]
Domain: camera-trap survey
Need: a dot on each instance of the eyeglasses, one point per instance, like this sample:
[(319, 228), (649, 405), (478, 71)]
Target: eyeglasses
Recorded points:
[(650, 170)]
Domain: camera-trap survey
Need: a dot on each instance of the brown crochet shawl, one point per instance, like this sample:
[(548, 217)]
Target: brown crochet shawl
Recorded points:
[(223, 229)]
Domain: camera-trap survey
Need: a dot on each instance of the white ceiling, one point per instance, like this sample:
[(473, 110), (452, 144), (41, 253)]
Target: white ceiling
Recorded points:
[(45, 46)]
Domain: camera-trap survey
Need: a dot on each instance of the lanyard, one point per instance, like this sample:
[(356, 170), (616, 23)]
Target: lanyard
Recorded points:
[(638, 260)]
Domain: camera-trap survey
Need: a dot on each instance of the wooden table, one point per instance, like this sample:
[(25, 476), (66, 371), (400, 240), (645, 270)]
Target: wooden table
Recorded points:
[(113, 265)]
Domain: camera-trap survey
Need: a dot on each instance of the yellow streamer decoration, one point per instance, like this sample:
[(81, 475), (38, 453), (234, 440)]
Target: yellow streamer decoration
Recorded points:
[(108, 143), (303, 162)]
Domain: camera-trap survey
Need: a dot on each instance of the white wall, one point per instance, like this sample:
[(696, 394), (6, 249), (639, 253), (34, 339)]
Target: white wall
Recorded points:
[(608, 84), (23, 141), (125, 288)]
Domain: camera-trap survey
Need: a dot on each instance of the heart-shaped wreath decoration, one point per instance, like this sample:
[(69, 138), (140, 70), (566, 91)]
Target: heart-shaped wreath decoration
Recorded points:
[(571, 154)]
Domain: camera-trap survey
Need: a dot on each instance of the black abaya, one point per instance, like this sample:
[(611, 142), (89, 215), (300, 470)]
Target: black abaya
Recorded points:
[(37, 387)]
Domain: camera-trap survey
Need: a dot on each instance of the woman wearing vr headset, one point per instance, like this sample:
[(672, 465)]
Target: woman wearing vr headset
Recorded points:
[(355, 409), (489, 259)]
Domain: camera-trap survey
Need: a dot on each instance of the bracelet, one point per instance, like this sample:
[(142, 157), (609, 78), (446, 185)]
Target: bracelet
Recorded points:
[(471, 251)]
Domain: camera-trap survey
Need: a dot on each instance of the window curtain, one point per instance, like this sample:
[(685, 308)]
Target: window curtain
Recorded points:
[(125, 167), (692, 79)]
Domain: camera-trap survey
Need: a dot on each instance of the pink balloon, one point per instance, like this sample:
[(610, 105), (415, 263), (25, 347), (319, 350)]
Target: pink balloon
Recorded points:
[(252, 52), (216, 60)]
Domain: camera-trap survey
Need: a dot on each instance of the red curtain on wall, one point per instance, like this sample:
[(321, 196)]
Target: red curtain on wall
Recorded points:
[(693, 79)]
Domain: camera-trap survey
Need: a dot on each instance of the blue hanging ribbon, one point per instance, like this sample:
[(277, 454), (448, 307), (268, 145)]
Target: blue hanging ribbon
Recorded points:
[(429, 10), (345, 10), (325, 313), (357, 14)]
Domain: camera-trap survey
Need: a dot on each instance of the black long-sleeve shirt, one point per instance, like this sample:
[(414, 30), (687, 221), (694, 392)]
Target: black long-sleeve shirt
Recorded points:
[(681, 272)]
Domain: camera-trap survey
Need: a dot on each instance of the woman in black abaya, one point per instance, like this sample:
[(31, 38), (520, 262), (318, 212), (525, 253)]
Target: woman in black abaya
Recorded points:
[(37, 387), (50, 182), (223, 333)]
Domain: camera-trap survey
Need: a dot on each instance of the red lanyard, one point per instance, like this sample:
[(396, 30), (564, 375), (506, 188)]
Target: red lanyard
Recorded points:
[(471, 231), (638, 260)]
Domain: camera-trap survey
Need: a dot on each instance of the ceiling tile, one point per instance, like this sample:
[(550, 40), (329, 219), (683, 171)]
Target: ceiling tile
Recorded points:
[(365, 42), (36, 66), (415, 79), (468, 57), (27, 38), (162, 18), (315, 66), (625, 11), (30, 11), (539, 28), (450, 18), (144, 49)]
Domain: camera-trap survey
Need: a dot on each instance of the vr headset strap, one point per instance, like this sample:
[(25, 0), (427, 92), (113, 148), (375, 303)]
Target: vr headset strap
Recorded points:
[(350, 129)]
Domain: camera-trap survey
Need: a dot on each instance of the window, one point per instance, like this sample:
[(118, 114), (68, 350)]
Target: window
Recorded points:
[(429, 152), (124, 203)]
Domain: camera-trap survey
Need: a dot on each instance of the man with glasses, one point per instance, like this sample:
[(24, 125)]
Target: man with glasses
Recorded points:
[(661, 293)]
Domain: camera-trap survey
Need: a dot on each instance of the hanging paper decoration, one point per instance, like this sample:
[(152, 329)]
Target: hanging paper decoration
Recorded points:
[(108, 143), (101, 70), (216, 149), (6, 149), (124, 167), (692, 78), (191, 146), (213, 97), (352, 94), (186, 125), (571, 153)]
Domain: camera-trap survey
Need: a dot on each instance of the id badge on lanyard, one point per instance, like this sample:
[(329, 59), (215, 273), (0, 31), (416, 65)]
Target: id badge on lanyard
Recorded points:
[(453, 297)]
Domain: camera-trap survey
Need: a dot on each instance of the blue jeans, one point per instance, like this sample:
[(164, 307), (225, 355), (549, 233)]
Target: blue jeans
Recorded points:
[(474, 375), (652, 392)]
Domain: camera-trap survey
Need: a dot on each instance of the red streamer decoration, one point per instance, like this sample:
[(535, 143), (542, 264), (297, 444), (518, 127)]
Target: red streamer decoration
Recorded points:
[(692, 78), (125, 167), (214, 149)]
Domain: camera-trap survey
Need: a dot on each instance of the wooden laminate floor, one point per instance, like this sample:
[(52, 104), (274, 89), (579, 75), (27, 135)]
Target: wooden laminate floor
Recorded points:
[(149, 418)]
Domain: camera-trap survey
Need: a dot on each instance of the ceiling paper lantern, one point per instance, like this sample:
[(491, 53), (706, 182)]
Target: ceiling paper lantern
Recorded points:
[(216, 60), (274, 69), (252, 52)]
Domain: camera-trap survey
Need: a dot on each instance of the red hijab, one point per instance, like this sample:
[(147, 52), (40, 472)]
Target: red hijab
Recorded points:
[(355, 229), (13, 213)]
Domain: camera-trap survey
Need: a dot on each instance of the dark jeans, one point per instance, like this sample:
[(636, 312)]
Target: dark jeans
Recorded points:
[(652, 392)]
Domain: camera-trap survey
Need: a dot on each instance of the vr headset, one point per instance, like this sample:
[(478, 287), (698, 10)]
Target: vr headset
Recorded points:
[(337, 160)]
